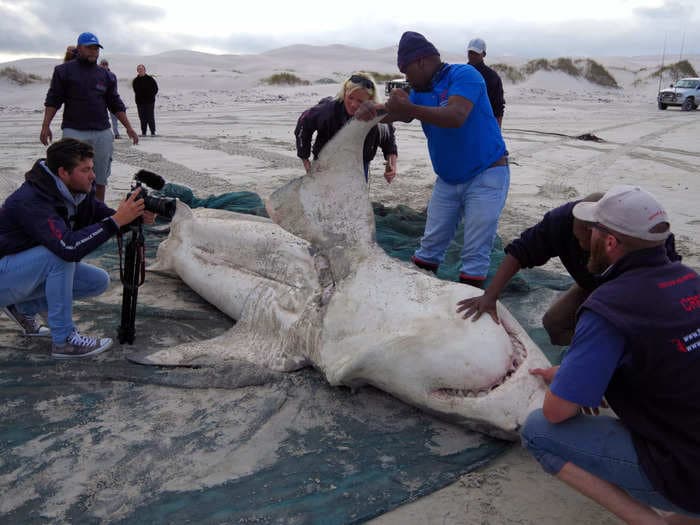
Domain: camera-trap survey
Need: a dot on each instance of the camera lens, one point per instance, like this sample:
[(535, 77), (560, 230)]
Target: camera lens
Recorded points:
[(164, 206)]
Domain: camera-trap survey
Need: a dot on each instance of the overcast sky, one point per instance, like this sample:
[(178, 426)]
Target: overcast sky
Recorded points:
[(526, 28)]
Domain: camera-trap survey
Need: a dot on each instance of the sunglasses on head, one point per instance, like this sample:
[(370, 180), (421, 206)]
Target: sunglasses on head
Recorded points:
[(362, 81)]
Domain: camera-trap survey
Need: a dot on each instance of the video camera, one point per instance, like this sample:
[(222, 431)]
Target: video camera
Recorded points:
[(133, 272), (164, 206), (399, 83)]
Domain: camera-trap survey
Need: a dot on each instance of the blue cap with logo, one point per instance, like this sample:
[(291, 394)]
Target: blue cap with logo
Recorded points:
[(88, 39)]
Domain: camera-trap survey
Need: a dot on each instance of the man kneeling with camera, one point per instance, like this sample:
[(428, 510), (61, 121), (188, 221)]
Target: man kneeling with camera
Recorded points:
[(46, 227)]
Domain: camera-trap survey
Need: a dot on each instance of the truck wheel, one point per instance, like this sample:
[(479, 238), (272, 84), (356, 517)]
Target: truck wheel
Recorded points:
[(687, 104), (662, 105)]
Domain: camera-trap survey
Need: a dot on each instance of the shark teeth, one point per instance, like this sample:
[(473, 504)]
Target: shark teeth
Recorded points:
[(518, 358)]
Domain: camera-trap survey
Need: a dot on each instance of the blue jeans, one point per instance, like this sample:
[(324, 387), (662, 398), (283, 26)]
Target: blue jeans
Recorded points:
[(38, 281), (479, 201), (115, 124), (103, 144), (600, 445)]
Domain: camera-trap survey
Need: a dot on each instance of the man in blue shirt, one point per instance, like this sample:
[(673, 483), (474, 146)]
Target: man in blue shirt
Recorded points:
[(637, 343), (88, 92), (466, 149)]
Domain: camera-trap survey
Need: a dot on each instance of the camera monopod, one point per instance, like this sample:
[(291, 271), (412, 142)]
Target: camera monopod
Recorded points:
[(132, 275)]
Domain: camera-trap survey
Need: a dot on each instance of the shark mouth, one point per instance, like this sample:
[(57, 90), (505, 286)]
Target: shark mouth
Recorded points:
[(518, 357)]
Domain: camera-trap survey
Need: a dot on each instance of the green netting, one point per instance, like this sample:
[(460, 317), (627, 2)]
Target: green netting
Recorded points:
[(105, 440)]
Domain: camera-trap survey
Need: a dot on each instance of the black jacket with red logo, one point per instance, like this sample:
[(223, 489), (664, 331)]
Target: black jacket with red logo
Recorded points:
[(655, 390)]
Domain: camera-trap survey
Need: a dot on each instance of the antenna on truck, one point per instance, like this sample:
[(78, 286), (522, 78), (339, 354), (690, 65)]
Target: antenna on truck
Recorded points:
[(663, 58)]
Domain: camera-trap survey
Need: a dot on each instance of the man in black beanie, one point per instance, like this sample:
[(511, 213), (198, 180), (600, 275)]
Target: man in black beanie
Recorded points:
[(466, 149)]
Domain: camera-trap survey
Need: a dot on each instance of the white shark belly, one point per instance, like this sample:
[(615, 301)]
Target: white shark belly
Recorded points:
[(396, 328)]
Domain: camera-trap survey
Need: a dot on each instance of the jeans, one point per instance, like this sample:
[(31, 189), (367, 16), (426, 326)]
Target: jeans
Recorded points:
[(115, 124), (103, 144), (600, 445), (147, 117), (479, 201), (38, 281)]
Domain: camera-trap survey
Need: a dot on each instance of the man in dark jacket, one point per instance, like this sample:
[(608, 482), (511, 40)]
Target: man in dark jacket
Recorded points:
[(476, 51), (637, 343), (558, 234), (88, 92), (46, 227), (145, 91)]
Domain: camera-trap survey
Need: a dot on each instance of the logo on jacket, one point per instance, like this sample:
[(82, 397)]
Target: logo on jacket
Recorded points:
[(55, 231), (689, 342)]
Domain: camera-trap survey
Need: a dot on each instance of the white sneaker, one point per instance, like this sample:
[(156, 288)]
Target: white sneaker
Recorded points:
[(30, 324), (77, 345)]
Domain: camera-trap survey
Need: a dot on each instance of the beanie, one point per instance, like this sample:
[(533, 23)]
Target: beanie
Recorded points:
[(413, 46)]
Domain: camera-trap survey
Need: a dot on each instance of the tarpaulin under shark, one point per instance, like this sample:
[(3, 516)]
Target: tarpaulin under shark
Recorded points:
[(106, 440)]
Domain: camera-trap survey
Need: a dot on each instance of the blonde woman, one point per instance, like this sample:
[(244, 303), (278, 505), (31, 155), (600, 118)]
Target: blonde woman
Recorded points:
[(330, 114)]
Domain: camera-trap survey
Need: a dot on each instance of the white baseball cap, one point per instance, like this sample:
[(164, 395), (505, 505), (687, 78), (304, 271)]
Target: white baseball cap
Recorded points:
[(477, 45), (629, 210)]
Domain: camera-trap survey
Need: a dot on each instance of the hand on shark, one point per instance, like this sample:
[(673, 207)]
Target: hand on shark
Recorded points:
[(475, 307)]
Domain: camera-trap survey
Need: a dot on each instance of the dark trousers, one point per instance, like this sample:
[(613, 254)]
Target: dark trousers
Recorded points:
[(147, 117)]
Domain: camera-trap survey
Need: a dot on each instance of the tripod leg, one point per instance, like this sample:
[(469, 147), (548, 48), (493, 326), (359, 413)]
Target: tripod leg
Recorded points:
[(129, 293)]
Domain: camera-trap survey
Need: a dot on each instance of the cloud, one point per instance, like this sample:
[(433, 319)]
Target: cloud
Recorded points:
[(47, 26), (674, 10)]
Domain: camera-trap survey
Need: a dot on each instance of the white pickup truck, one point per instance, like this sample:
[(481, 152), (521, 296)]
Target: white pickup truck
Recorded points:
[(684, 93)]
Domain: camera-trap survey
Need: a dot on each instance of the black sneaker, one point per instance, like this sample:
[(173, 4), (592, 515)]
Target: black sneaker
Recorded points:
[(30, 324), (77, 345)]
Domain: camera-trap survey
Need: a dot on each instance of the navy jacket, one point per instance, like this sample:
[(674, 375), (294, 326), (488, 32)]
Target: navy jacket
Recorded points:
[(36, 214), (88, 91), (326, 118), (553, 237), (145, 89), (494, 87), (655, 305)]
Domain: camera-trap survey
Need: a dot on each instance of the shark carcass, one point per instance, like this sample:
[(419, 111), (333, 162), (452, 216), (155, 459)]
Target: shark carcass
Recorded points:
[(311, 287)]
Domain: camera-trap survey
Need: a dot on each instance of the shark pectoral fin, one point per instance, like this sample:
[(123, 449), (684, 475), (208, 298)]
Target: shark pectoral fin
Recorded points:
[(236, 344)]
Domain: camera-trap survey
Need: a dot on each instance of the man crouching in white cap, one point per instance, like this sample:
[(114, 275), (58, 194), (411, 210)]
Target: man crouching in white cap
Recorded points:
[(637, 343)]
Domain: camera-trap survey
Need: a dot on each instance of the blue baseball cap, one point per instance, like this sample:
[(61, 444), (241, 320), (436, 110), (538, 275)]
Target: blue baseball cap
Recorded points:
[(88, 39)]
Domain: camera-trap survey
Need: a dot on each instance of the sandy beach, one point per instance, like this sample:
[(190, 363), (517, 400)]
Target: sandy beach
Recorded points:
[(220, 129)]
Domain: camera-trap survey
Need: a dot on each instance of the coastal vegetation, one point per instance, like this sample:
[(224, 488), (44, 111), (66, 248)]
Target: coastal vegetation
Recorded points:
[(285, 78), (578, 68), (19, 77)]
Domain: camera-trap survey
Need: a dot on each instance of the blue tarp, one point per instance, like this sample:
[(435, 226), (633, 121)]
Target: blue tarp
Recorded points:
[(105, 440)]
